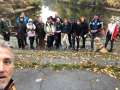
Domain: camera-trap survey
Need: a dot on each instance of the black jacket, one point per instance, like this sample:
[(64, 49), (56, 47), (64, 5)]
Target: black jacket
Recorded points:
[(83, 28), (78, 29), (66, 28), (40, 32)]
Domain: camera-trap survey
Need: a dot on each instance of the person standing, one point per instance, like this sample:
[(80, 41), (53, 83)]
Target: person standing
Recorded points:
[(71, 35), (77, 33), (66, 30), (31, 32), (83, 30), (95, 29), (21, 33), (25, 21), (58, 25), (4, 30), (40, 33), (112, 32), (50, 32)]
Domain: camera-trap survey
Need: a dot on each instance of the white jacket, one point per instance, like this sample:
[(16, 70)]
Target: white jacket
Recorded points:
[(50, 29), (31, 26), (111, 27)]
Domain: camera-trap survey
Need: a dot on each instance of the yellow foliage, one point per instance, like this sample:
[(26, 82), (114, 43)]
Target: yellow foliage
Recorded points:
[(113, 3)]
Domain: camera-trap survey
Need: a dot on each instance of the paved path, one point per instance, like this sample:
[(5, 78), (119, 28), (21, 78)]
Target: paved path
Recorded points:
[(63, 80), (47, 79)]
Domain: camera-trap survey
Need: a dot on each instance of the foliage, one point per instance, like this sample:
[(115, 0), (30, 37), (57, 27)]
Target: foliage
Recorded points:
[(84, 65), (32, 60), (35, 2), (113, 3), (87, 8)]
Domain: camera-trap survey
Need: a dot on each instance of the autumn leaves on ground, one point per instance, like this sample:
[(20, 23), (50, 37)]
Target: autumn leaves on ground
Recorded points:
[(61, 60)]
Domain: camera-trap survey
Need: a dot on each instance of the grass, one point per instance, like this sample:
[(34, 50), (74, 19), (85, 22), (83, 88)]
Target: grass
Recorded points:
[(85, 65), (55, 54), (31, 60)]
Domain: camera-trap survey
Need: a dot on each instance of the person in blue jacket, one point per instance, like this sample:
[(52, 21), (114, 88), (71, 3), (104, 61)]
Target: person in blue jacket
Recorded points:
[(25, 21), (95, 27), (25, 18)]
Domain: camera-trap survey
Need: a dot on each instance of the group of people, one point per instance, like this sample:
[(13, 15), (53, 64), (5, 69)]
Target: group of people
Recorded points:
[(59, 33), (55, 33)]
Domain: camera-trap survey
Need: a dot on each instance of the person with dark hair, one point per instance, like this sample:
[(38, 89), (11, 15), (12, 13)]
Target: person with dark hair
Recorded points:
[(40, 33), (95, 28), (6, 67), (65, 32), (58, 25), (4, 30), (77, 33), (83, 30), (24, 20), (50, 30), (21, 33), (72, 33)]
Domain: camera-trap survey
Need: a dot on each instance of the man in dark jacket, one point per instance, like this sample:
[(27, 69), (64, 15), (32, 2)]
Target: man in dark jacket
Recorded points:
[(72, 33), (4, 30), (77, 33), (40, 33), (6, 67), (83, 30)]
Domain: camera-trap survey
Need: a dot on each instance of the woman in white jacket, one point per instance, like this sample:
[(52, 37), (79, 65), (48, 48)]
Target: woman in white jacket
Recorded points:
[(31, 32), (112, 32), (50, 29)]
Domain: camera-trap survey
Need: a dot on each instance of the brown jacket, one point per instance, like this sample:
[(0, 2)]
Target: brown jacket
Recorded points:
[(10, 86)]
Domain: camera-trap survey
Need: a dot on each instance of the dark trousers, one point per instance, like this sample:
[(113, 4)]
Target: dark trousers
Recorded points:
[(78, 41), (108, 38), (40, 43), (57, 40), (37, 41), (6, 36), (73, 37), (83, 41), (31, 42), (50, 40), (25, 39), (21, 43), (70, 40)]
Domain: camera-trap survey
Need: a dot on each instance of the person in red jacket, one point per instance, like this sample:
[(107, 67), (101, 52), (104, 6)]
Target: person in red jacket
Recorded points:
[(112, 32)]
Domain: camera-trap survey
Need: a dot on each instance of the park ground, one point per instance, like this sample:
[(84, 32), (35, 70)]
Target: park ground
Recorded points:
[(66, 70)]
